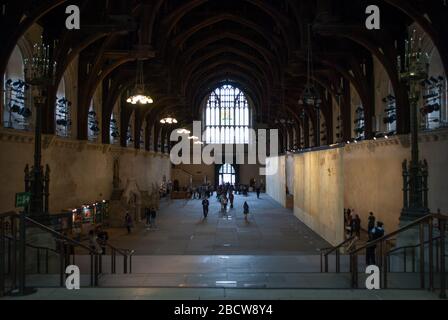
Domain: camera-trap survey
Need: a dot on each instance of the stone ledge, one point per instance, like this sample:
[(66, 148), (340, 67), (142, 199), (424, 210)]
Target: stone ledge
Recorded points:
[(52, 141)]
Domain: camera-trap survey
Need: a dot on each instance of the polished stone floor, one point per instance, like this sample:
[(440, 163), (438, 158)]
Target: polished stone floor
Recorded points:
[(273, 256), (271, 230)]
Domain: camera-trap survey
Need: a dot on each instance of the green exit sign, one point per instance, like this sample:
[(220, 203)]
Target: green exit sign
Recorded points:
[(23, 199)]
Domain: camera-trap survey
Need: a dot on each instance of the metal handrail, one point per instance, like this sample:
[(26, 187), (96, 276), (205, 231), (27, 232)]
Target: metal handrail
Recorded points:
[(405, 228), (95, 259), (126, 253), (325, 252), (9, 214), (384, 257), (412, 247), (333, 249), (31, 245), (60, 235)]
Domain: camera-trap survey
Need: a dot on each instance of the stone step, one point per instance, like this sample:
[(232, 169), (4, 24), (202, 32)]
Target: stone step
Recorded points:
[(227, 294), (401, 281), (212, 264)]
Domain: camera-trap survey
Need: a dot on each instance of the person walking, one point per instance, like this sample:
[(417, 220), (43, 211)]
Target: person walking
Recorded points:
[(232, 200), (128, 222), (371, 223), (352, 222), (225, 202), (148, 217), (153, 218), (258, 189), (246, 210), (205, 207)]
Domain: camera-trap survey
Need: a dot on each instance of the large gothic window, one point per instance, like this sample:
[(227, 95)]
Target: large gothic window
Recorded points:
[(227, 117), (227, 174)]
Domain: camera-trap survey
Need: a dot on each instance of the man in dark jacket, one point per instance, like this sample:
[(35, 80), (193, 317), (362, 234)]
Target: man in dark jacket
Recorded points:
[(371, 223), (374, 235), (205, 206)]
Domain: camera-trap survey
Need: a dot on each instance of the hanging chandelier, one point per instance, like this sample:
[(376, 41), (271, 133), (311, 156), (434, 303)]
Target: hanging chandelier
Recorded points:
[(310, 95), (183, 131), (40, 69), (169, 120), (138, 95)]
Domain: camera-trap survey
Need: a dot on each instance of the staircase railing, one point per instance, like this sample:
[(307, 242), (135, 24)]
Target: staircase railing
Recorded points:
[(383, 257), (326, 252), (127, 259), (38, 250), (63, 245), (413, 255), (13, 254)]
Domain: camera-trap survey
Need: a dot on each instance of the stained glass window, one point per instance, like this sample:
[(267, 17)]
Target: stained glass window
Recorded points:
[(227, 117)]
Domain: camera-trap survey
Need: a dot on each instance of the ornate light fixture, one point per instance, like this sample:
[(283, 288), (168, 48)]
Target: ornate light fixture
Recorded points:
[(183, 131), (193, 138), (414, 69), (310, 95), (40, 72), (138, 95), (169, 120)]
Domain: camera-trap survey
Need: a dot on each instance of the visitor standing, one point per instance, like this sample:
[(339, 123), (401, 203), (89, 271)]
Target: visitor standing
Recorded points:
[(93, 242), (357, 226), (225, 201), (258, 189), (371, 223), (102, 238), (153, 218), (246, 210), (205, 207), (375, 234), (232, 200), (148, 217), (128, 222)]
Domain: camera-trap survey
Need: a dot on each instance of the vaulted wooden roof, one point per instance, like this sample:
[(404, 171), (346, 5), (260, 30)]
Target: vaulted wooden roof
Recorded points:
[(191, 46)]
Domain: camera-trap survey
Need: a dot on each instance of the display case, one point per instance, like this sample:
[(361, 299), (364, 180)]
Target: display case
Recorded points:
[(88, 217)]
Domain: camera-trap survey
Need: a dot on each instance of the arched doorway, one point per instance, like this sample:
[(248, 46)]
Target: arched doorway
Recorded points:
[(227, 174)]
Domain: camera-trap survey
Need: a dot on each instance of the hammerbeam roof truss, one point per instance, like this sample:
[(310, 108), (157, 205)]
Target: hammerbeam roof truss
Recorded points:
[(192, 46)]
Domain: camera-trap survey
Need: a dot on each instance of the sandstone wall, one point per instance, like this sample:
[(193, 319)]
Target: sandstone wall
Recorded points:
[(81, 172)]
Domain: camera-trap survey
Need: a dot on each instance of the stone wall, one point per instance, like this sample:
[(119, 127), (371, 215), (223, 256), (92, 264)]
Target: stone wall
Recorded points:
[(81, 172), (369, 179), (373, 176), (319, 192), (276, 183)]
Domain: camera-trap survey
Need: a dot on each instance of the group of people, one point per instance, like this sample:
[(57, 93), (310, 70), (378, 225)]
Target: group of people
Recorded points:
[(202, 192), (352, 223), (375, 231), (150, 216), (224, 201)]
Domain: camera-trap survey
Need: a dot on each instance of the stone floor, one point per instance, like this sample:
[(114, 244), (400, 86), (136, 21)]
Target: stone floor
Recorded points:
[(271, 230), (273, 256)]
